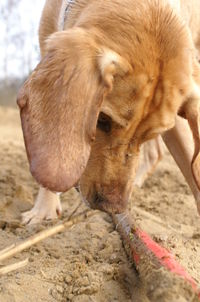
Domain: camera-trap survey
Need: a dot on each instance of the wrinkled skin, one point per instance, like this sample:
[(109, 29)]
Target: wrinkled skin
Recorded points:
[(126, 88), (108, 178)]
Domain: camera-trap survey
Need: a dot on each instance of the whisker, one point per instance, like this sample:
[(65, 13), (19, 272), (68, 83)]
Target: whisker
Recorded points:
[(83, 199)]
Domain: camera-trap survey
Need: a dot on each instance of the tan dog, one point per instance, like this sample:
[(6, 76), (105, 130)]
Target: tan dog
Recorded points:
[(115, 77)]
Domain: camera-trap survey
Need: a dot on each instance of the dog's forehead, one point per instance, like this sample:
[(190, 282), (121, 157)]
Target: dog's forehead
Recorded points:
[(146, 108), (130, 95)]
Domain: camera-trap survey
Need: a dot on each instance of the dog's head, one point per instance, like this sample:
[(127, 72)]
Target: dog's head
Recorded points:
[(86, 110)]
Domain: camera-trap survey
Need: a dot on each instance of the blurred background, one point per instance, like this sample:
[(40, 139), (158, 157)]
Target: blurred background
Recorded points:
[(19, 46)]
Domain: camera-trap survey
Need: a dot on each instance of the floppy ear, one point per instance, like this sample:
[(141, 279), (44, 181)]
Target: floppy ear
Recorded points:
[(60, 103), (191, 110), (111, 64)]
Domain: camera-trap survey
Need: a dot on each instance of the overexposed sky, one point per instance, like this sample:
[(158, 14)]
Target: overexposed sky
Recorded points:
[(19, 47)]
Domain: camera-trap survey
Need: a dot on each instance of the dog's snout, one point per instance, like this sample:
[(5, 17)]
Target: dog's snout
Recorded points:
[(109, 201), (101, 202), (98, 198)]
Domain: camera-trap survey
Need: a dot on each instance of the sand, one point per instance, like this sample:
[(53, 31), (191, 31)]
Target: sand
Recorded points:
[(88, 262)]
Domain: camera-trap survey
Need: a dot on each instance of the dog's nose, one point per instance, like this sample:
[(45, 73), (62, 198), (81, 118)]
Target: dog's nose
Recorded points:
[(110, 204), (98, 199)]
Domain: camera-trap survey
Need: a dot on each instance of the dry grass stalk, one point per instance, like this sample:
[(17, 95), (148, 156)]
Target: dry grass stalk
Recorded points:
[(7, 249), (45, 234), (13, 267)]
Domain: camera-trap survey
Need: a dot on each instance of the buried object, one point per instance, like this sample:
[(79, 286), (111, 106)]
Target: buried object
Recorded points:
[(164, 278)]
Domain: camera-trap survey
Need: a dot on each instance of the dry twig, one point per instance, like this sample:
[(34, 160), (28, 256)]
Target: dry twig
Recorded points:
[(12, 267), (7, 249), (45, 234)]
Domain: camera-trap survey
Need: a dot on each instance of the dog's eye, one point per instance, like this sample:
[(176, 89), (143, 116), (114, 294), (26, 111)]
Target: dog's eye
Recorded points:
[(104, 122)]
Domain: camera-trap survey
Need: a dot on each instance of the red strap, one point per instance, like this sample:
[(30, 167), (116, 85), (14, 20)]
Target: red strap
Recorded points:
[(165, 258)]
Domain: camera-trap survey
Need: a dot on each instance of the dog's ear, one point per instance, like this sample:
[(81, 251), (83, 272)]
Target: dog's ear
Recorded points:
[(112, 64), (60, 103)]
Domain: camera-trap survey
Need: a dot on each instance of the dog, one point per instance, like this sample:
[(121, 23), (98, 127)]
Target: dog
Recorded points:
[(113, 75)]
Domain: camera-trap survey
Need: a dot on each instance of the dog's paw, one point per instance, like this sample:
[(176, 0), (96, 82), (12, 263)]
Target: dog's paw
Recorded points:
[(36, 215), (47, 207)]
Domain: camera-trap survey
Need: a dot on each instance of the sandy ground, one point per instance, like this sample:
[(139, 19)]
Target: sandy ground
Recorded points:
[(88, 262)]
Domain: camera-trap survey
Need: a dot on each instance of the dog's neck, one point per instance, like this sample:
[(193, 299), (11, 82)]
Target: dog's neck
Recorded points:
[(73, 8), (64, 13), (70, 3), (69, 7)]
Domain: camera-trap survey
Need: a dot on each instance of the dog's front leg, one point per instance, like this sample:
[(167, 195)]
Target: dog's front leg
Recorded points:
[(47, 206), (180, 143)]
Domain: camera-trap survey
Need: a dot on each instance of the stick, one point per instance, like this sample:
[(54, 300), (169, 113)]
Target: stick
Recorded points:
[(7, 249), (164, 279), (45, 234), (12, 267)]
